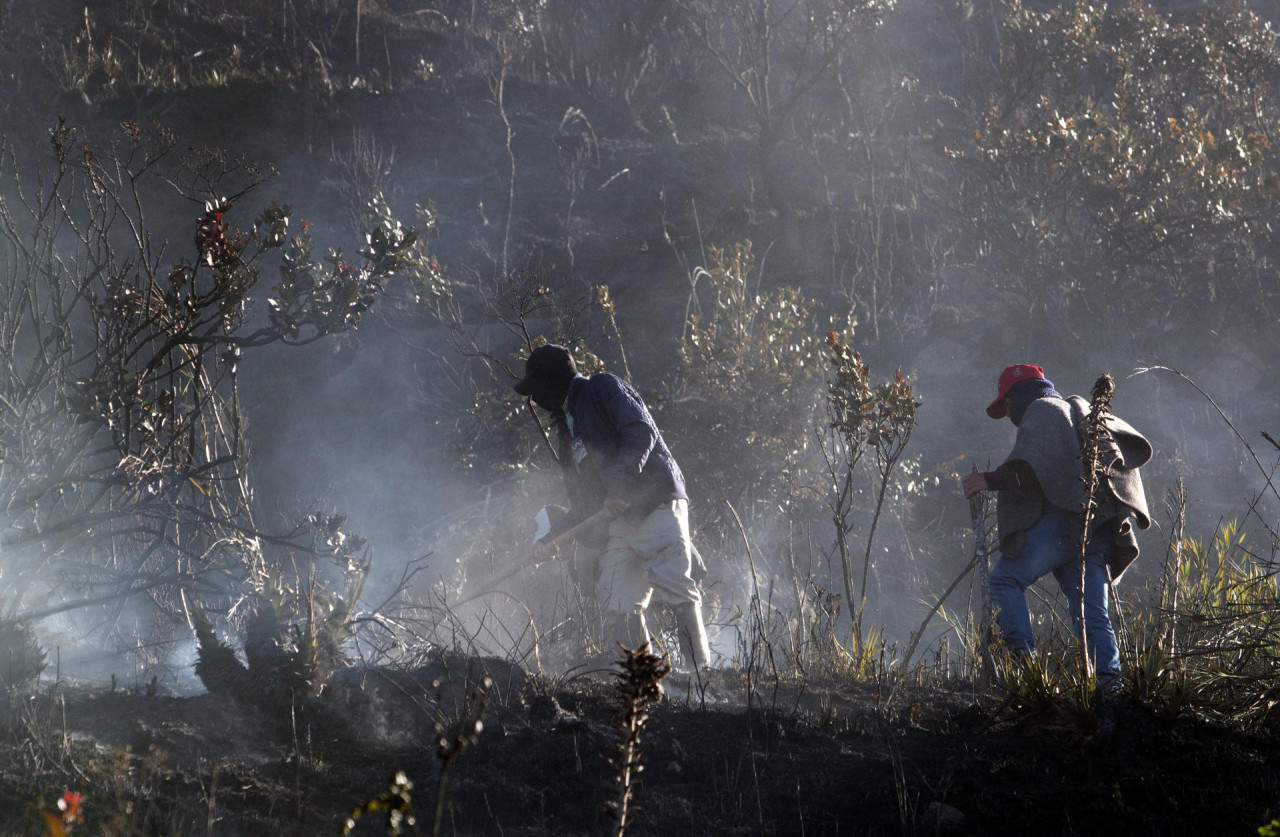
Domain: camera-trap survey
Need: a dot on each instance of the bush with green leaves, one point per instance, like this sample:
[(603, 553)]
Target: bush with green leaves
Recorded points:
[(1209, 638)]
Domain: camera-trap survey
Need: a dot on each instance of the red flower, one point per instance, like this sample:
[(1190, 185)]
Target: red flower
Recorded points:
[(68, 814), (69, 805)]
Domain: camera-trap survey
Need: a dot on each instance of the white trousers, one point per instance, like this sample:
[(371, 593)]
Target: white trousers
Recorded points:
[(653, 556)]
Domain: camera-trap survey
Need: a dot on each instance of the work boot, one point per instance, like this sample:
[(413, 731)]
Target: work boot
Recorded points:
[(694, 648), (628, 630)]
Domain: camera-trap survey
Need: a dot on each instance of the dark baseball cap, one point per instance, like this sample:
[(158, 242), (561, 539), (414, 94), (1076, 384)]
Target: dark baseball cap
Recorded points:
[(549, 362)]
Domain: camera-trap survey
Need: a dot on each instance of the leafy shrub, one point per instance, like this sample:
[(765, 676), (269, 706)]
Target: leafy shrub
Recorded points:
[(748, 384), (1123, 155)]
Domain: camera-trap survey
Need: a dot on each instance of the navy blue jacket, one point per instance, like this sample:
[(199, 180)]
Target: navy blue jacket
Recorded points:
[(623, 443)]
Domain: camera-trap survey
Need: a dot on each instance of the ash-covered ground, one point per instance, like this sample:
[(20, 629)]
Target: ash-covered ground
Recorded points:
[(731, 755)]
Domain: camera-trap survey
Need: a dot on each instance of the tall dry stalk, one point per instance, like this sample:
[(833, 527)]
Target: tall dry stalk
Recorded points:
[(450, 747), (1171, 579), (639, 687), (1095, 436), (758, 625)]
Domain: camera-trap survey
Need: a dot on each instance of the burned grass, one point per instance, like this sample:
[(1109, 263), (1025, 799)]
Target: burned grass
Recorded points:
[(831, 759)]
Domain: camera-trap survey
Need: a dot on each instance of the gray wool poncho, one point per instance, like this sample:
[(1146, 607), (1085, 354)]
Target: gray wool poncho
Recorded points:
[(1048, 440)]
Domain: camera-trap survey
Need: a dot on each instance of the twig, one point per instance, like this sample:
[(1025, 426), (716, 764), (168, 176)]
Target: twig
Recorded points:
[(757, 607), (919, 632), (1141, 370)]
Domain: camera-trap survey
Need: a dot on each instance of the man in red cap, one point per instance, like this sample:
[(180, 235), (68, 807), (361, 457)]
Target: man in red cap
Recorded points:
[(613, 456), (1040, 499)]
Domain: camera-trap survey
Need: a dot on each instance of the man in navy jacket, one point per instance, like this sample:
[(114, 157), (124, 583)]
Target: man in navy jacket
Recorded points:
[(614, 457)]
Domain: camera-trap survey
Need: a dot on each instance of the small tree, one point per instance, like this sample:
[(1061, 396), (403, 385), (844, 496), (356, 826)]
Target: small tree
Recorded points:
[(861, 416), (124, 467)]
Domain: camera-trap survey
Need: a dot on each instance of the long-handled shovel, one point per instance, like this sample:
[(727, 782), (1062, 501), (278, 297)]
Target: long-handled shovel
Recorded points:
[(602, 516), (977, 512)]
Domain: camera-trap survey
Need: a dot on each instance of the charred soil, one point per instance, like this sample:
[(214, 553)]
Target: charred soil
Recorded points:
[(720, 758)]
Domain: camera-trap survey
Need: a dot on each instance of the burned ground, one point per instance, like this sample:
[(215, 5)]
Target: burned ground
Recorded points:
[(788, 758)]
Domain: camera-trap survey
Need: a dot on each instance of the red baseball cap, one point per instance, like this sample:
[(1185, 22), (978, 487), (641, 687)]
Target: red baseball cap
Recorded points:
[(1010, 376)]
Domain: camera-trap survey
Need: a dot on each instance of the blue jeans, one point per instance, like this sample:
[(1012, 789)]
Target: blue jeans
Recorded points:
[(1051, 547)]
